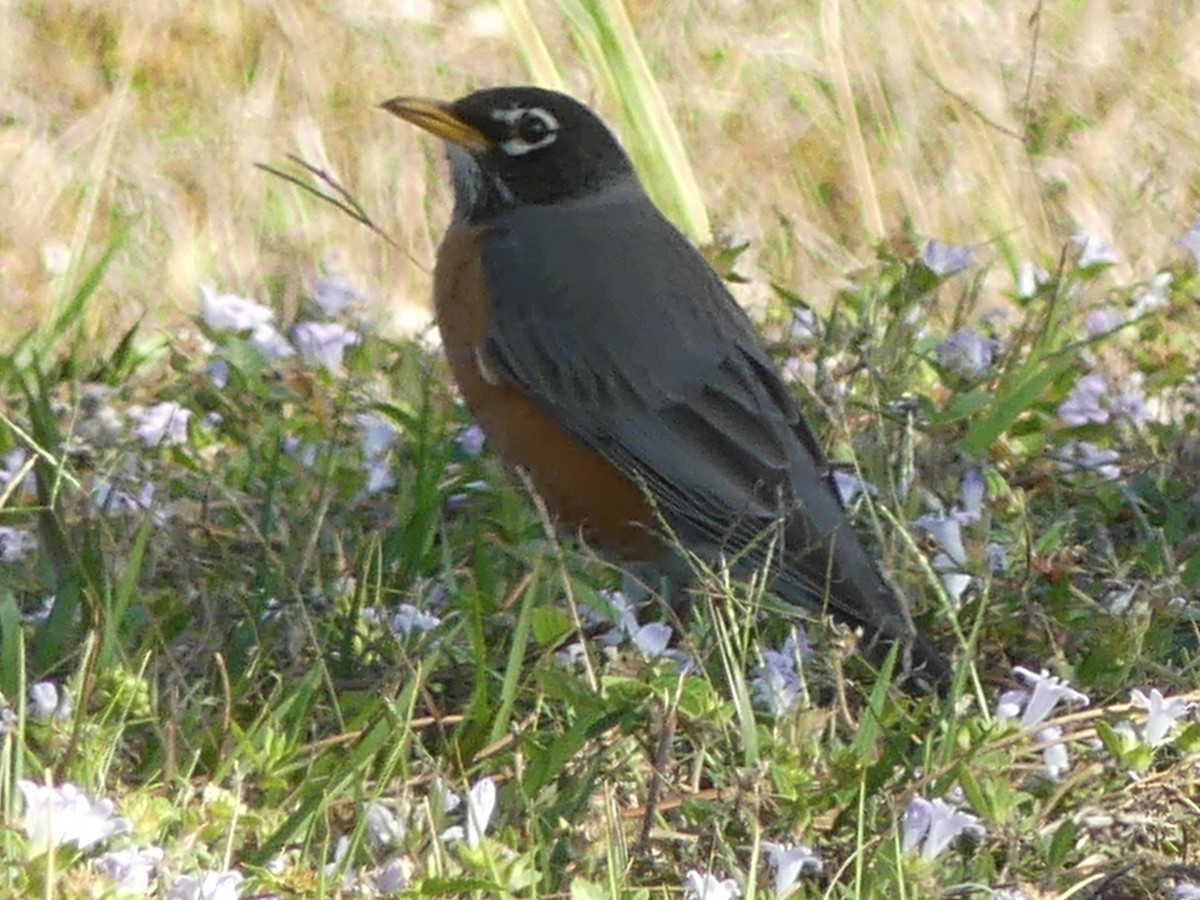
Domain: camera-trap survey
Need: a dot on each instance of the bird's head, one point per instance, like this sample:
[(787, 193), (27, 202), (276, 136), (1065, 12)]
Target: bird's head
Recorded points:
[(518, 146)]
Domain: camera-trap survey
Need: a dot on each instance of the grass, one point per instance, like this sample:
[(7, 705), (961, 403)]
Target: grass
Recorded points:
[(237, 689)]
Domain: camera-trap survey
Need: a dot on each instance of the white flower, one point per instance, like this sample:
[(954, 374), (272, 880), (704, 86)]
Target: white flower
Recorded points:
[(934, 825), (790, 862), (481, 803), (208, 886), (130, 871), (56, 816), (702, 886), (1048, 691), (1161, 715), (1029, 278), (229, 312), (1056, 759), (163, 423), (324, 343)]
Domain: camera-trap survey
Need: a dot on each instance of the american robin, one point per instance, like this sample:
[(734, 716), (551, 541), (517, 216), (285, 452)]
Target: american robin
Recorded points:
[(601, 354)]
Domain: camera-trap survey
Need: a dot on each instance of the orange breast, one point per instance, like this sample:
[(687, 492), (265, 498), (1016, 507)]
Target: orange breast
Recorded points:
[(580, 487)]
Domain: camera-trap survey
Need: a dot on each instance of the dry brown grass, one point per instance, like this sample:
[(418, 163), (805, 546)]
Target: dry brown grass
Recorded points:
[(839, 118)]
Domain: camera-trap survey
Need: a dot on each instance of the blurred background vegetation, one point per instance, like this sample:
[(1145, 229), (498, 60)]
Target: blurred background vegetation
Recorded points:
[(815, 130)]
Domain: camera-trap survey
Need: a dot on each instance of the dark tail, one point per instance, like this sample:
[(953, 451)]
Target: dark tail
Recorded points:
[(827, 569)]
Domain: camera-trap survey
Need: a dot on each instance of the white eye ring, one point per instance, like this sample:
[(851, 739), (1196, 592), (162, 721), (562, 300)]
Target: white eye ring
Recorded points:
[(516, 119)]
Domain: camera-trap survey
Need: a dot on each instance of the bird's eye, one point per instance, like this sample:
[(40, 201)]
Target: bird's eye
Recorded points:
[(529, 129), (532, 128)]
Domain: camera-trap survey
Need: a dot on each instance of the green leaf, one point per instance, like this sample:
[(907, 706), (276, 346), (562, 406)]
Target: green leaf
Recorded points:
[(1010, 404), (1061, 845)]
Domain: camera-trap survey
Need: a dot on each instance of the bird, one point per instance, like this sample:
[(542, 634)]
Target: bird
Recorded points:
[(604, 357)]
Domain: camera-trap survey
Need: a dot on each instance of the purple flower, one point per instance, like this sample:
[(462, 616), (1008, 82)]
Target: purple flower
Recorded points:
[(324, 343), (15, 544), (409, 620), (804, 326), (850, 486), (1101, 321), (218, 373), (1048, 691), (1130, 403), (1093, 251), (944, 260), (383, 828), (1161, 715), (1154, 297), (1190, 241), (130, 871), (955, 585), (471, 440), (270, 344), (933, 825), (481, 803), (58, 816), (207, 886), (229, 312), (617, 610), (1090, 458), (946, 530), (163, 423), (699, 885), (776, 683), (651, 640), (996, 556), (966, 354), (378, 435), (391, 879), (13, 466), (972, 490), (1083, 403), (790, 862), (333, 293), (1186, 890)]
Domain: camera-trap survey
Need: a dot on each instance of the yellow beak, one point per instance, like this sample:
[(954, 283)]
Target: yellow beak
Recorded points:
[(436, 118)]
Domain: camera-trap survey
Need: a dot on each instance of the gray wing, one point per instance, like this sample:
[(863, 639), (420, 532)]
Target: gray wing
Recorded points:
[(608, 318)]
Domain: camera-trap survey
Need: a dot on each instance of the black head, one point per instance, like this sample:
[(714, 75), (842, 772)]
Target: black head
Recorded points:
[(514, 146)]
